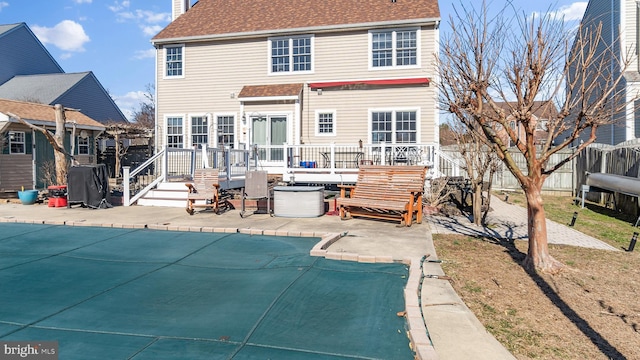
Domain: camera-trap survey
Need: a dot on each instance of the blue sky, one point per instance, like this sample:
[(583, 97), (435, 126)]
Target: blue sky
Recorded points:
[(112, 37)]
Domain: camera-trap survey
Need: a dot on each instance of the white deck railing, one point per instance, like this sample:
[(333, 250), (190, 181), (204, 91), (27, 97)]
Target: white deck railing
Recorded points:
[(318, 164), (179, 165), (339, 163)]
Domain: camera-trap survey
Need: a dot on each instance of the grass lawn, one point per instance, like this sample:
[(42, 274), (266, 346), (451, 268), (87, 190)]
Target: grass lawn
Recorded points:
[(588, 311)]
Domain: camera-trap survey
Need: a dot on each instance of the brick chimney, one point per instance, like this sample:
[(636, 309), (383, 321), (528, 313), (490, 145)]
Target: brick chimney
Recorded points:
[(179, 7)]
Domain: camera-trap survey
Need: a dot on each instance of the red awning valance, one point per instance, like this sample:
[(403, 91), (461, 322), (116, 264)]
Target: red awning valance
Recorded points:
[(382, 82)]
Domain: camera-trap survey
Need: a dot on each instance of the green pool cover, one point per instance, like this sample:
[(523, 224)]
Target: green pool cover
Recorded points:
[(105, 293)]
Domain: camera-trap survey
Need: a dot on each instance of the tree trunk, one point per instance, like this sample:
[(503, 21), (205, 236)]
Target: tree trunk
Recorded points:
[(477, 204), (538, 253), (117, 150), (60, 158)]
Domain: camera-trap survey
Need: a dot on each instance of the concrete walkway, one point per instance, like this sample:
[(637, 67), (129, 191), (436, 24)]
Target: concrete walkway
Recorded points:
[(509, 221)]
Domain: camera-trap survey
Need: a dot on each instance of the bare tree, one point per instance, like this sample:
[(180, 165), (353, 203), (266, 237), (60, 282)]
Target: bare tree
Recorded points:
[(518, 59), (146, 115), (56, 140), (480, 163), (118, 132)]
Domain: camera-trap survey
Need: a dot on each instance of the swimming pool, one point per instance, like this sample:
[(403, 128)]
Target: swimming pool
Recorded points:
[(108, 293)]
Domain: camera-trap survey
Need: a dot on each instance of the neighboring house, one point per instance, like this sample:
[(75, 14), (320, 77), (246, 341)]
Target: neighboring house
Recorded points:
[(23, 54), (543, 111), (274, 72), (25, 152), (30, 73), (620, 20), (81, 91)]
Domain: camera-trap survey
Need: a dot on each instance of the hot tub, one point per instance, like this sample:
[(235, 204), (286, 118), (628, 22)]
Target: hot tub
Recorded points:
[(298, 201)]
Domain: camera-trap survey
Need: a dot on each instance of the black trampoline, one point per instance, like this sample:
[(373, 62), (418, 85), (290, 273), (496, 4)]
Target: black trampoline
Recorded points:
[(106, 293)]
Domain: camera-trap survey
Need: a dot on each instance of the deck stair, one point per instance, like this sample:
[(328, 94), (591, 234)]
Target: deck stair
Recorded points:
[(169, 194)]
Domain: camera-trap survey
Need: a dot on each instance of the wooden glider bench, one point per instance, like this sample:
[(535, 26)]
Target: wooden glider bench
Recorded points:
[(385, 192), (205, 187)]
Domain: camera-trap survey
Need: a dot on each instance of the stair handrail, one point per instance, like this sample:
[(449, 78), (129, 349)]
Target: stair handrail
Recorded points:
[(127, 199), (454, 162)]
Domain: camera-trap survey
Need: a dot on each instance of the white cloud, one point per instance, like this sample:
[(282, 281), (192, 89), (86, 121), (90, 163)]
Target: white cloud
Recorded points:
[(145, 54), (3, 4), (82, 1), (571, 12), (575, 11), (118, 6), (130, 102), (153, 17), (151, 30), (67, 35), (150, 22), (144, 16)]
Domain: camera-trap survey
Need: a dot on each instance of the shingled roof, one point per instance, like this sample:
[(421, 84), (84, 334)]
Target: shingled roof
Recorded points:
[(250, 91), (39, 88), (208, 18), (46, 113)]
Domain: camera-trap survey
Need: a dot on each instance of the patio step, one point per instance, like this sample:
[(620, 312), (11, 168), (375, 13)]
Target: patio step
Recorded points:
[(168, 194)]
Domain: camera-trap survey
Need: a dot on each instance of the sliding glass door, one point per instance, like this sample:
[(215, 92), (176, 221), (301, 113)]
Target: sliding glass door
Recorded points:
[(268, 131)]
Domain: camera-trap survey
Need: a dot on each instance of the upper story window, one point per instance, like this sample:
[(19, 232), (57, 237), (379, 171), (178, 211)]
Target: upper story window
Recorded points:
[(199, 131), (16, 142), (174, 61), (175, 135), (291, 54), (326, 123), (394, 48), (226, 130)]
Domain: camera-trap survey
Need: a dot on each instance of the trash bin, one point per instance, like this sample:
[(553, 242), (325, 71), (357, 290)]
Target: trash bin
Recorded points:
[(298, 201), (57, 195)]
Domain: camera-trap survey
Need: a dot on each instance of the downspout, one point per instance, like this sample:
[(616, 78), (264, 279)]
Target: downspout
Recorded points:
[(155, 106), (34, 159)]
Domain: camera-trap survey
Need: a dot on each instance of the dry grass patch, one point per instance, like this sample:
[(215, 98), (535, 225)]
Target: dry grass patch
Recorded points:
[(589, 311)]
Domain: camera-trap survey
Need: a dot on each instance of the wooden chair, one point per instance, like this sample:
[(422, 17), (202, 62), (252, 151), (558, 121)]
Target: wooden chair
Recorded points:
[(385, 192), (203, 192)]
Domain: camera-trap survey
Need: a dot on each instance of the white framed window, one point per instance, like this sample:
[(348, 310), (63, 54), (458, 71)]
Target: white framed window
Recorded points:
[(226, 130), (325, 122), (291, 54), (174, 61), (17, 143), (199, 131), (175, 132), (83, 145), (394, 126), (399, 48)]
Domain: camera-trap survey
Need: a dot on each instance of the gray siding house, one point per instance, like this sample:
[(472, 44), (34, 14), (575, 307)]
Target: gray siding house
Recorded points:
[(80, 91), (21, 53), (30, 73), (620, 20)]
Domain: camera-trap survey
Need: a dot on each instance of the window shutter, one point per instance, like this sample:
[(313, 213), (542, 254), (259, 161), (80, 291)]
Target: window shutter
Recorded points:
[(28, 142), (5, 145)]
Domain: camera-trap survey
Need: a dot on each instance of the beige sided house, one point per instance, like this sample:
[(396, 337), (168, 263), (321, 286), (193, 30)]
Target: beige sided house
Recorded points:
[(352, 73)]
